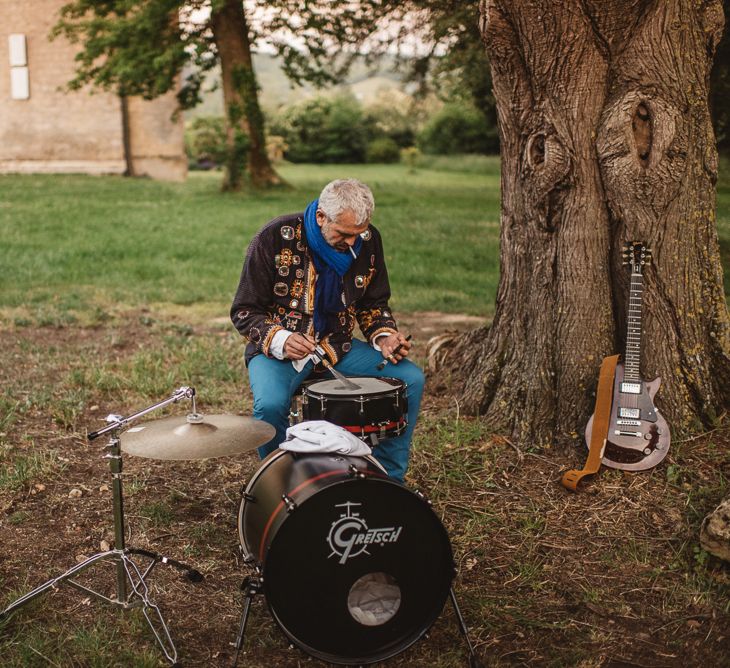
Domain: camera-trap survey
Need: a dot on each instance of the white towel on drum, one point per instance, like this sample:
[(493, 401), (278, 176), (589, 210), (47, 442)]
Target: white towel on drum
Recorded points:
[(323, 436)]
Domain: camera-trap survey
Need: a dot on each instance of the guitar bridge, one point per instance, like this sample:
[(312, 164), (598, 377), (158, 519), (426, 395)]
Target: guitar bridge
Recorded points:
[(628, 423)]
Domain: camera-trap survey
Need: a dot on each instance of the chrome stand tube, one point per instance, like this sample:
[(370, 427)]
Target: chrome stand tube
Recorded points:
[(132, 591)]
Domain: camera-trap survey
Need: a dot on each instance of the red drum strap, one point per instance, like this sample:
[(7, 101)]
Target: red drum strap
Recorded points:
[(369, 428)]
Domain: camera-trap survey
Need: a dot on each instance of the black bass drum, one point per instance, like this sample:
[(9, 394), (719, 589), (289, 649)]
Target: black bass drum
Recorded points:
[(356, 568)]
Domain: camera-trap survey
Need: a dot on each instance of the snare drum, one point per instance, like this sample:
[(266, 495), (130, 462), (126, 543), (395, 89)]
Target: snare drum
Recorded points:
[(355, 566), (378, 408)]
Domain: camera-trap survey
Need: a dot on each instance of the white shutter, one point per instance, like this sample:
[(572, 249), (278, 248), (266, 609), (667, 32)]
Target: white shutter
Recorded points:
[(18, 54)]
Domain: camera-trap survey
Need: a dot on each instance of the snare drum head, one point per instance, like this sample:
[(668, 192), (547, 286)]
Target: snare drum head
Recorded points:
[(368, 386), (359, 571)]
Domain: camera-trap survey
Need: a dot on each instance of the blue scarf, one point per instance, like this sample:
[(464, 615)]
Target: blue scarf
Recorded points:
[(331, 266)]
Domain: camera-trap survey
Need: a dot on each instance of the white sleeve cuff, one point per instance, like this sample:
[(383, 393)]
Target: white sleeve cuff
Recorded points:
[(276, 347), (374, 342)]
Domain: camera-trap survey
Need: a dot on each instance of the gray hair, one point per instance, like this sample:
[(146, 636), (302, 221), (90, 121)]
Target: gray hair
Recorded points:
[(343, 194)]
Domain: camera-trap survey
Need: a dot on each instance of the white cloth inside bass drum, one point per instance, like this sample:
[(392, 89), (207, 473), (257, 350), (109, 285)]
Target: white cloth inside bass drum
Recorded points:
[(356, 567)]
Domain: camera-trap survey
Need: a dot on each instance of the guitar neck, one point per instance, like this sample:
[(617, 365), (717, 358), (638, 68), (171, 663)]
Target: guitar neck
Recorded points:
[(632, 358)]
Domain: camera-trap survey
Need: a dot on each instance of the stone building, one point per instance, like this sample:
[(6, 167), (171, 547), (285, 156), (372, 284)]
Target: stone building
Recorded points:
[(45, 129)]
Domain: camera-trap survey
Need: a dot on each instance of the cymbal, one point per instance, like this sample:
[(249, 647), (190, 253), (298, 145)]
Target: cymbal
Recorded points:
[(213, 436)]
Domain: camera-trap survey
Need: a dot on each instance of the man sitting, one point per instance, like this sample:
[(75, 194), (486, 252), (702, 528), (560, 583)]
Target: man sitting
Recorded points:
[(307, 278)]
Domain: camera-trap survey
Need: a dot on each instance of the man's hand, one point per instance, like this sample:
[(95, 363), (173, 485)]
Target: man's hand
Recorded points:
[(389, 344), (298, 346)]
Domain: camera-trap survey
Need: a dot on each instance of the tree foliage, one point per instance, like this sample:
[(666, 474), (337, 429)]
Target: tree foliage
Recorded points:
[(458, 128), (205, 141), (382, 150), (150, 47), (325, 129), (138, 46)]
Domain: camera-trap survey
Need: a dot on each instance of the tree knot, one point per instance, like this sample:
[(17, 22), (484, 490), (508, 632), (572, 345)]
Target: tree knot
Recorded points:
[(546, 163)]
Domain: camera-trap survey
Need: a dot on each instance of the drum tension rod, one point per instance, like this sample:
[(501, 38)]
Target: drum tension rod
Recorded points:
[(423, 497), (246, 496), (356, 472), (289, 503)]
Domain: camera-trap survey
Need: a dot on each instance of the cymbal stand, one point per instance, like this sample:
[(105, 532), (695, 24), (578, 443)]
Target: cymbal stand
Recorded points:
[(132, 591)]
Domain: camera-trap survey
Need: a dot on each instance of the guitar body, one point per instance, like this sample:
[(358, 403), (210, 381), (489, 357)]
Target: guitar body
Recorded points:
[(638, 435)]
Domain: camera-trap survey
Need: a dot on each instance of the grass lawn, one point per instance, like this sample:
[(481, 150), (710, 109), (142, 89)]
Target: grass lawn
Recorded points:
[(75, 243)]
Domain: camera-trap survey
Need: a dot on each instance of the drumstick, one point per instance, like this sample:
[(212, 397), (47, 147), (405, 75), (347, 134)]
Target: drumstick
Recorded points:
[(381, 366), (341, 377)]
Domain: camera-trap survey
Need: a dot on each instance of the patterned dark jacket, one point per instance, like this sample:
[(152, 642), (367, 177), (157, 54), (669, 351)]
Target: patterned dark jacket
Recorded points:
[(276, 290)]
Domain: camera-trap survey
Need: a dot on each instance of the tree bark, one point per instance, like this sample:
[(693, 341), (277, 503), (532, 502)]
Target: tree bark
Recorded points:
[(606, 138), (245, 131)]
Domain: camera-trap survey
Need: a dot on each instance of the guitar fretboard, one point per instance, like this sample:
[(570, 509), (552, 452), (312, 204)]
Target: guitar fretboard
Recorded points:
[(632, 358)]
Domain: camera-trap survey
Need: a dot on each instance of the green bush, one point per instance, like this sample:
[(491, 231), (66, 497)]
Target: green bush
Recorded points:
[(410, 156), (458, 128), (324, 130), (205, 142), (391, 121), (383, 150)]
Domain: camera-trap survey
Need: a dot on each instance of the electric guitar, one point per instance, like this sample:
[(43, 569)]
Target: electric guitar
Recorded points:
[(638, 436)]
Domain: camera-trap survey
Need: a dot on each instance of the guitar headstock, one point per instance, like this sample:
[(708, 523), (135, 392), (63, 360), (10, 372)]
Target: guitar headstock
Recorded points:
[(636, 255)]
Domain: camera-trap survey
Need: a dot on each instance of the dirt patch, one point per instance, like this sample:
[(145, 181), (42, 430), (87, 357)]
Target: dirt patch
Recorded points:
[(611, 576)]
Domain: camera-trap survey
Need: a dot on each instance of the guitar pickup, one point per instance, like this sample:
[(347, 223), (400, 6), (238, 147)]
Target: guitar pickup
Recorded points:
[(628, 423), (630, 413), (631, 388)]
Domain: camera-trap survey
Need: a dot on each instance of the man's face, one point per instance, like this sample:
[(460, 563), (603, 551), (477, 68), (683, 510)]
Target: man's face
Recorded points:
[(342, 233)]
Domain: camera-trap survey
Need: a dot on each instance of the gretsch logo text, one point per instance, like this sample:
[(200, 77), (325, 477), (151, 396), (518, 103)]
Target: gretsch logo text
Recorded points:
[(349, 536)]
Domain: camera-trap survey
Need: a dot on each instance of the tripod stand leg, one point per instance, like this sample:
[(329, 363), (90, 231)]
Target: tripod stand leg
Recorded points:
[(113, 555), (149, 609), (139, 595), (251, 585), (473, 661)]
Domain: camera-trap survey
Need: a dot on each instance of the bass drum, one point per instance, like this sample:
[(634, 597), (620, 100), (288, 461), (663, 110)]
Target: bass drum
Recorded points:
[(356, 568)]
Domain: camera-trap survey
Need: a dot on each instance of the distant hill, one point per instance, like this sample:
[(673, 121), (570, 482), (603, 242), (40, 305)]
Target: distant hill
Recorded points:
[(276, 90)]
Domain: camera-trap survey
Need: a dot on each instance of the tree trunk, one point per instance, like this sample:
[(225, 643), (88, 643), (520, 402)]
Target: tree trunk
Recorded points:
[(245, 129), (606, 138)]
